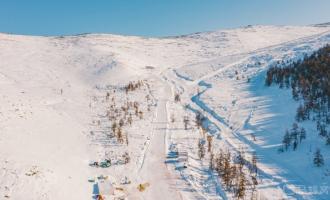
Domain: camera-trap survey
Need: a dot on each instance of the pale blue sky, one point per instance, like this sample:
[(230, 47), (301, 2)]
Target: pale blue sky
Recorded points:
[(153, 17)]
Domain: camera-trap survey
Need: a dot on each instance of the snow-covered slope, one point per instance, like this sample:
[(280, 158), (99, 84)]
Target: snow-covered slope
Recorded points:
[(53, 112)]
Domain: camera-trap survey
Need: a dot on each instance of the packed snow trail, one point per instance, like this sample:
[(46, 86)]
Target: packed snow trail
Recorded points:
[(153, 170)]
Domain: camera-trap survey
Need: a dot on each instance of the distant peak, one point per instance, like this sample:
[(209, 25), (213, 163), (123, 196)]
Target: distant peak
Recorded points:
[(322, 24)]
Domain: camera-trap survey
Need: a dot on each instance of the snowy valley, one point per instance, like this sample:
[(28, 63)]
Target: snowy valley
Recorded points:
[(146, 118)]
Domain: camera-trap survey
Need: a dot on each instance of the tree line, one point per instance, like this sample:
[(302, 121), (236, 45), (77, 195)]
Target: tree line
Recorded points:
[(309, 80)]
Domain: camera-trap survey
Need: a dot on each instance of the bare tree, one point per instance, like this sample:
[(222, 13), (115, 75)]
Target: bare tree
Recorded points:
[(209, 143), (186, 122)]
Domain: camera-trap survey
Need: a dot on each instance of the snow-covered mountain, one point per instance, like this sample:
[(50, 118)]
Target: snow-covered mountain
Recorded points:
[(60, 98)]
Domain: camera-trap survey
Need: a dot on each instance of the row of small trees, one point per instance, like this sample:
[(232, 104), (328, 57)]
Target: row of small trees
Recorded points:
[(237, 174), (133, 85)]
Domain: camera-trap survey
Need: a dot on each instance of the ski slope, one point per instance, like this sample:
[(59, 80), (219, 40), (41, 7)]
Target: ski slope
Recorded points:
[(54, 119)]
